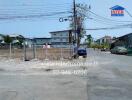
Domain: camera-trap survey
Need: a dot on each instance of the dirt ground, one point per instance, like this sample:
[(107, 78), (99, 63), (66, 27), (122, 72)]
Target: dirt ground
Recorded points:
[(101, 76)]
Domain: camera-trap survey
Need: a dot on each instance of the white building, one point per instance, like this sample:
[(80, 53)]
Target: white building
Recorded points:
[(105, 39), (1, 38), (60, 39)]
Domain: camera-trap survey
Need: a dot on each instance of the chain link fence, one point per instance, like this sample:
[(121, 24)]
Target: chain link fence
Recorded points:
[(35, 52), (53, 53)]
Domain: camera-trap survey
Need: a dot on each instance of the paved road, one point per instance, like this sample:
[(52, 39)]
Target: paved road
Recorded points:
[(105, 77)]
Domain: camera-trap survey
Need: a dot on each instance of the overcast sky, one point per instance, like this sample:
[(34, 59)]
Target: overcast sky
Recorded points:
[(38, 26)]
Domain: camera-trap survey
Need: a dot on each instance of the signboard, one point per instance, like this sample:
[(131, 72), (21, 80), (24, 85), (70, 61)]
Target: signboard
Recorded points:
[(117, 11)]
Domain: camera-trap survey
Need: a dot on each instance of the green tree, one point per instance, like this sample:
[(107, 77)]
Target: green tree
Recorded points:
[(106, 45), (20, 39), (89, 40), (7, 39)]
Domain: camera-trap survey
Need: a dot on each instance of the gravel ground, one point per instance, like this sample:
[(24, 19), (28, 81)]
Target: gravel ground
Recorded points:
[(102, 76)]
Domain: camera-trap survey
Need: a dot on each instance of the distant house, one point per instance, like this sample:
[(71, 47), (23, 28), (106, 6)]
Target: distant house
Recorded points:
[(1, 38), (125, 40), (60, 39), (39, 42), (105, 39), (29, 42), (16, 38)]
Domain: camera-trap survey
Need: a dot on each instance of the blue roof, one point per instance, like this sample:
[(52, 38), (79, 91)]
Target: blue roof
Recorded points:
[(117, 7)]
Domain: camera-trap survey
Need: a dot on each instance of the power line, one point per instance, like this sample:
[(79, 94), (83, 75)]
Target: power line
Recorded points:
[(102, 22), (34, 3), (109, 28), (101, 17), (32, 16), (34, 10), (128, 13)]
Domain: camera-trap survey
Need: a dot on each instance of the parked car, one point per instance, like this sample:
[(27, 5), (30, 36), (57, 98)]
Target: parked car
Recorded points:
[(119, 50), (82, 52), (129, 51)]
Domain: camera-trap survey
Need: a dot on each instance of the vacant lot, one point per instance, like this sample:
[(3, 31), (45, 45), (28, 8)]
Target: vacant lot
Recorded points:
[(106, 77), (40, 53)]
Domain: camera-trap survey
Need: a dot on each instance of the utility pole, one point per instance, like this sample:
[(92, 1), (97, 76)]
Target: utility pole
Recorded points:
[(75, 28), (74, 15)]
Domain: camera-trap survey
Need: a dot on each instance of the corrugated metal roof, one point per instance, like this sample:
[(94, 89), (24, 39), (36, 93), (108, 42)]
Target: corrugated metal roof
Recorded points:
[(60, 31)]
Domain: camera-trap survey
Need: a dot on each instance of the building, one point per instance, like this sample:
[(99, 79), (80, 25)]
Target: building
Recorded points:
[(39, 42), (125, 41), (105, 39), (16, 36), (1, 38), (28, 42), (60, 39)]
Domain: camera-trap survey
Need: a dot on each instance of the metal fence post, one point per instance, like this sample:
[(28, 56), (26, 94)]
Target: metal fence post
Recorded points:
[(34, 51), (25, 54), (61, 52), (10, 50)]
